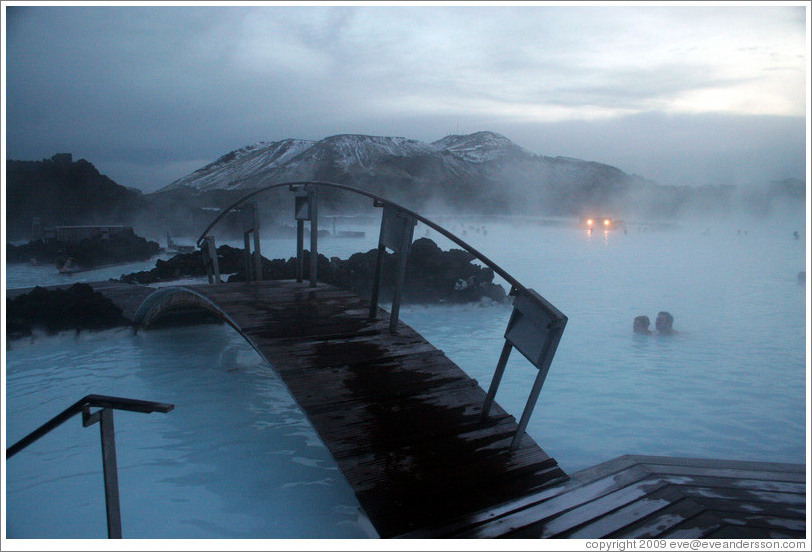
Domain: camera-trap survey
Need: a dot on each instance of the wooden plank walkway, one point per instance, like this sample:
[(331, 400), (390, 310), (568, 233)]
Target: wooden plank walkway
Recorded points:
[(401, 420), (651, 497)]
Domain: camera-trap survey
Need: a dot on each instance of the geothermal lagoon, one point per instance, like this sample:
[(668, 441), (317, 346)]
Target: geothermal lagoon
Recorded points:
[(237, 459)]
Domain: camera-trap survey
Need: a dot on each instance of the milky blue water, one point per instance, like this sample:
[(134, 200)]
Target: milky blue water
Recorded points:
[(237, 459)]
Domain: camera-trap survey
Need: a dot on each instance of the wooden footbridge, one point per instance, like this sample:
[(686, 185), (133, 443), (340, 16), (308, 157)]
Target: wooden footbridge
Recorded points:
[(403, 422), (414, 435), (427, 451)]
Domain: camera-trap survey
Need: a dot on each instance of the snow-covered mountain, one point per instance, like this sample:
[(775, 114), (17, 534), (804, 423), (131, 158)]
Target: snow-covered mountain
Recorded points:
[(483, 170)]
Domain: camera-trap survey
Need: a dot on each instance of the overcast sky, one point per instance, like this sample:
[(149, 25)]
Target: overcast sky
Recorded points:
[(709, 94)]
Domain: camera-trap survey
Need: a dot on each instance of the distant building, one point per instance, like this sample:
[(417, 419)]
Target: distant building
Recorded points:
[(64, 159), (75, 234)]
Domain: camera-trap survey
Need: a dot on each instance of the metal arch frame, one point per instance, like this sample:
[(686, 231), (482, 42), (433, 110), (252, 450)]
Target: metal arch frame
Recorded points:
[(161, 300), (540, 320), (379, 202)]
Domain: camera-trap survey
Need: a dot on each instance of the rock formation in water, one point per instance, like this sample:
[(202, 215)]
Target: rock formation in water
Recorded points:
[(75, 308), (432, 275), (122, 247)]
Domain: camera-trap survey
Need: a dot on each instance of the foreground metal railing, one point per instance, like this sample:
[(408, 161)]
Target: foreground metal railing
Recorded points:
[(535, 326), (108, 441)]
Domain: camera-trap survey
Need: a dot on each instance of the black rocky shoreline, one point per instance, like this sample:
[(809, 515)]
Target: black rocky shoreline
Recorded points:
[(124, 247), (432, 276), (78, 307)]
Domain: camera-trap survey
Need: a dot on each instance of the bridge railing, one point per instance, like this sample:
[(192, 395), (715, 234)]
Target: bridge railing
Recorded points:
[(535, 326), (108, 441)]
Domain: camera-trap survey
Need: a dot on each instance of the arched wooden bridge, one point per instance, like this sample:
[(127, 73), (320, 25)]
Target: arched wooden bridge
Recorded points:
[(415, 436)]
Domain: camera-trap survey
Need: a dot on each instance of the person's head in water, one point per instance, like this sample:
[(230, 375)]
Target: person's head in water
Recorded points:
[(664, 322), (641, 324)]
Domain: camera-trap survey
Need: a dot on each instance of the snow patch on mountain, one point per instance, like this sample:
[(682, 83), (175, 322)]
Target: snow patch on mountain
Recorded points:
[(481, 147), (232, 169), (364, 151)]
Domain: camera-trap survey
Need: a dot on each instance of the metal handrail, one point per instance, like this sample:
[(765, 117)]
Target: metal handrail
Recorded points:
[(379, 201), (107, 430)]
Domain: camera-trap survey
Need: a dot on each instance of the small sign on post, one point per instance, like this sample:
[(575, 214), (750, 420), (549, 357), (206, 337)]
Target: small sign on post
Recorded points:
[(250, 224), (534, 329), (302, 207), (306, 209), (397, 231)]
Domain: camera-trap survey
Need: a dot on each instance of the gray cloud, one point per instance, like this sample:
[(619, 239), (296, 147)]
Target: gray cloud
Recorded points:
[(145, 93)]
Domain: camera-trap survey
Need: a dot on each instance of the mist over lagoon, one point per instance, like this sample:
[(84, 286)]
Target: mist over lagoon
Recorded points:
[(729, 385)]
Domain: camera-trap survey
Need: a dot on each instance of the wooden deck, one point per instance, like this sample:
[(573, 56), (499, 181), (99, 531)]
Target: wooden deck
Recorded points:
[(651, 497)]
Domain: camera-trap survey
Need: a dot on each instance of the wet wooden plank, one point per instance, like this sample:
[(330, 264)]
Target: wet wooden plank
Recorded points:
[(753, 485), (654, 502), (747, 532), (347, 441), (574, 496), (661, 464), (735, 473), (758, 514), (764, 500), (590, 511), (636, 497), (653, 526), (697, 527)]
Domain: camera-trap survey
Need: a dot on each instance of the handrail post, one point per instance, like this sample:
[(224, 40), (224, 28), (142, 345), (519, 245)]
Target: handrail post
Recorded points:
[(110, 469), (257, 253), (314, 237), (299, 251), (108, 442), (107, 432), (376, 283), (531, 404), (497, 378), (210, 260), (403, 257), (247, 256)]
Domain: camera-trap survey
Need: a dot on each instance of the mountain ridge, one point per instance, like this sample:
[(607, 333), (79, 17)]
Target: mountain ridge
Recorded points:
[(483, 169)]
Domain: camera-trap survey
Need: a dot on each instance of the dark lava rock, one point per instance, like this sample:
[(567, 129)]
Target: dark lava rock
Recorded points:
[(119, 248), (75, 308), (184, 265), (432, 275)]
